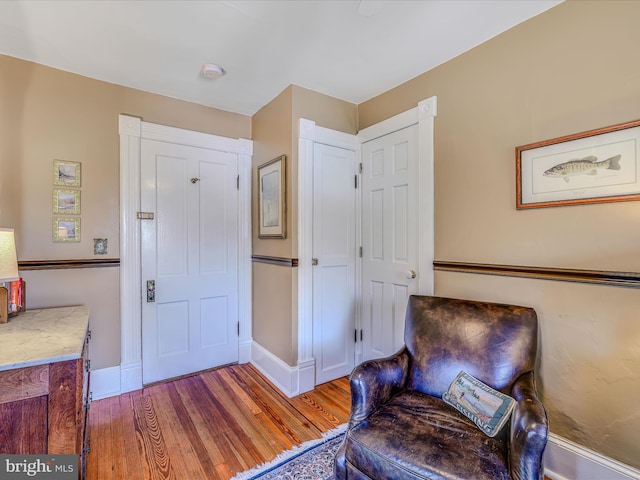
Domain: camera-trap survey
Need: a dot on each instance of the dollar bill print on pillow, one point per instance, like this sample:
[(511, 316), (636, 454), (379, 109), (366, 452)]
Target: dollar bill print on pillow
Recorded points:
[(484, 406)]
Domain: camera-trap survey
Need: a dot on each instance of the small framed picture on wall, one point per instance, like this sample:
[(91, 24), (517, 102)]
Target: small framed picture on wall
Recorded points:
[(66, 173), (272, 209), (66, 202), (66, 229)]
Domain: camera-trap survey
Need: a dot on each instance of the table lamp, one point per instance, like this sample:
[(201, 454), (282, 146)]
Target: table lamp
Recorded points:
[(8, 269)]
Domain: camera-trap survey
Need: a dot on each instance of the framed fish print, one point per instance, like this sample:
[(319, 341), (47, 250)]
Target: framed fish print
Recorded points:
[(272, 212), (597, 166)]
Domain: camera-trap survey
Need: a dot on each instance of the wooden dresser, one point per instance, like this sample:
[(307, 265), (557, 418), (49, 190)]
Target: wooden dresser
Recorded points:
[(44, 382)]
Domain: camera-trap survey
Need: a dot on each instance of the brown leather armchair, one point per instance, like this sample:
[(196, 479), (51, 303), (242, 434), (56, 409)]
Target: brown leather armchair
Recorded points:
[(400, 428)]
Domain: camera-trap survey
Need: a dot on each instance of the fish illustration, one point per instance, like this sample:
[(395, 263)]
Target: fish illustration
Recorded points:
[(583, 166)]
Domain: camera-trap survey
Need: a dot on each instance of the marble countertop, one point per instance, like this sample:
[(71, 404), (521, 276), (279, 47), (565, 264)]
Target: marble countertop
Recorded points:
[(47, 335)]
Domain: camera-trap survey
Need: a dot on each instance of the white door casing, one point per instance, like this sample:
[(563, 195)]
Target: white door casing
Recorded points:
[(334, 257), (397, 224), (132, 130), (189, 251), (309, 134)]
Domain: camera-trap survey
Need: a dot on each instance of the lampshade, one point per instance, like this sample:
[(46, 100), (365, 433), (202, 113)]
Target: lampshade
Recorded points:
[(8, 257)]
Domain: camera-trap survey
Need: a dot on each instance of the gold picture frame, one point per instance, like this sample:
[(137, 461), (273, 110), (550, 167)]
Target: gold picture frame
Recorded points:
[(66, 202), (66, 229), (272, 208), (66, 173)]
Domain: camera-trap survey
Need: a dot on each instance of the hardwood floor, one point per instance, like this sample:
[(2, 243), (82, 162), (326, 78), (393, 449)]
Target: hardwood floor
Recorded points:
[(209, 426)]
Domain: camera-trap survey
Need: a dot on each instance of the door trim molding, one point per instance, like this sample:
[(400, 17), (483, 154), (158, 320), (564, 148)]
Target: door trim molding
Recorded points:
[(308, 134), (132, 130), (424, 116)]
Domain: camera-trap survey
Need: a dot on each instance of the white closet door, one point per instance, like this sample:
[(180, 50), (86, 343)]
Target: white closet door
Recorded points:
[(334, 247), (389, 238)]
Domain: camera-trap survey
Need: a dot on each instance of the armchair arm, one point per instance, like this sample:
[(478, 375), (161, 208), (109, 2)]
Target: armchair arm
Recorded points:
[(529, 431), (374, 382)]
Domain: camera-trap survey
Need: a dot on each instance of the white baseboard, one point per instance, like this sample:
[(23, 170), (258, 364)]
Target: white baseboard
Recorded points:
[(289, 380), (113, 381), (105, 383), (306, 375), (130, 377), (244, 351), (565, 460)]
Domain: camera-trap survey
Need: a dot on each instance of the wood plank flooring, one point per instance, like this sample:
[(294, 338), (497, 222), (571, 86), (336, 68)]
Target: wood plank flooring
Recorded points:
[(209, 426)]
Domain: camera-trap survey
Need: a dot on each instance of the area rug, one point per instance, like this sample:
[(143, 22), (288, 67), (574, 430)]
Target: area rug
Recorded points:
[(310, 461)]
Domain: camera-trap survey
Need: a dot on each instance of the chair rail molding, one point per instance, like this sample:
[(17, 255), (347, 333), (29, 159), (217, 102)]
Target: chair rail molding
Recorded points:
[(132, 130), (601, 277)]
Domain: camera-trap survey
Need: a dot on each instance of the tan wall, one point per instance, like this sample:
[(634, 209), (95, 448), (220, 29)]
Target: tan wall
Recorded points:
[(273, 310), (272, 285), (271, 135), (275, 132), (543, 79), (327, 112), (48, 114)]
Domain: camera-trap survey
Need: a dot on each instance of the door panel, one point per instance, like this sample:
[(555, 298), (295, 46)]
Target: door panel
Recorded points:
[(190, 250), (334, 245), (215, 190), (389, 239), (172, 206)]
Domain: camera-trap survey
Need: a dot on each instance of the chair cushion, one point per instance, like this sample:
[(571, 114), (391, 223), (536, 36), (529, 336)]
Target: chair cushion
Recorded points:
[(417, 436)]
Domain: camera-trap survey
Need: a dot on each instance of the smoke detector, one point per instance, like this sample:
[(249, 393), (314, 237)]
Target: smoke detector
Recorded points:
[(212, 71)]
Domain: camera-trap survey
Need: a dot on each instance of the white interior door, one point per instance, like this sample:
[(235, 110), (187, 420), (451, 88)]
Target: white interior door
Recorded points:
[(334, 248), (190, 251), (389, 238)]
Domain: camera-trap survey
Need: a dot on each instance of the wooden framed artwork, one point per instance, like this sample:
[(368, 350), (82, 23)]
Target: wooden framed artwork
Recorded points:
[(597, 166), (272, 209), (66, 173), (66, 229), (66, 202)]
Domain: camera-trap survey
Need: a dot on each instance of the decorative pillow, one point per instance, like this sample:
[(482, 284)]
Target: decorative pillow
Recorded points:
[(484, 406)]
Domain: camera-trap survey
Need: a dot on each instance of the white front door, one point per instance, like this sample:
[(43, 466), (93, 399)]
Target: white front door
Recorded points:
[(334, 249), (190, 251), (389, 238)]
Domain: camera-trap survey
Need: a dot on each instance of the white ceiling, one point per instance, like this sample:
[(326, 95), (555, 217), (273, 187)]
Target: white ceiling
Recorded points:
[(349, 49)]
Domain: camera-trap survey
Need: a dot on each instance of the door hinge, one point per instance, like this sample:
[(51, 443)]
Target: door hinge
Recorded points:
[(87, 366), (360, 252), (355, 178), (360, 168), (238, 182), (360, 335), (144, 215), (355, 336), (238, 328)]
